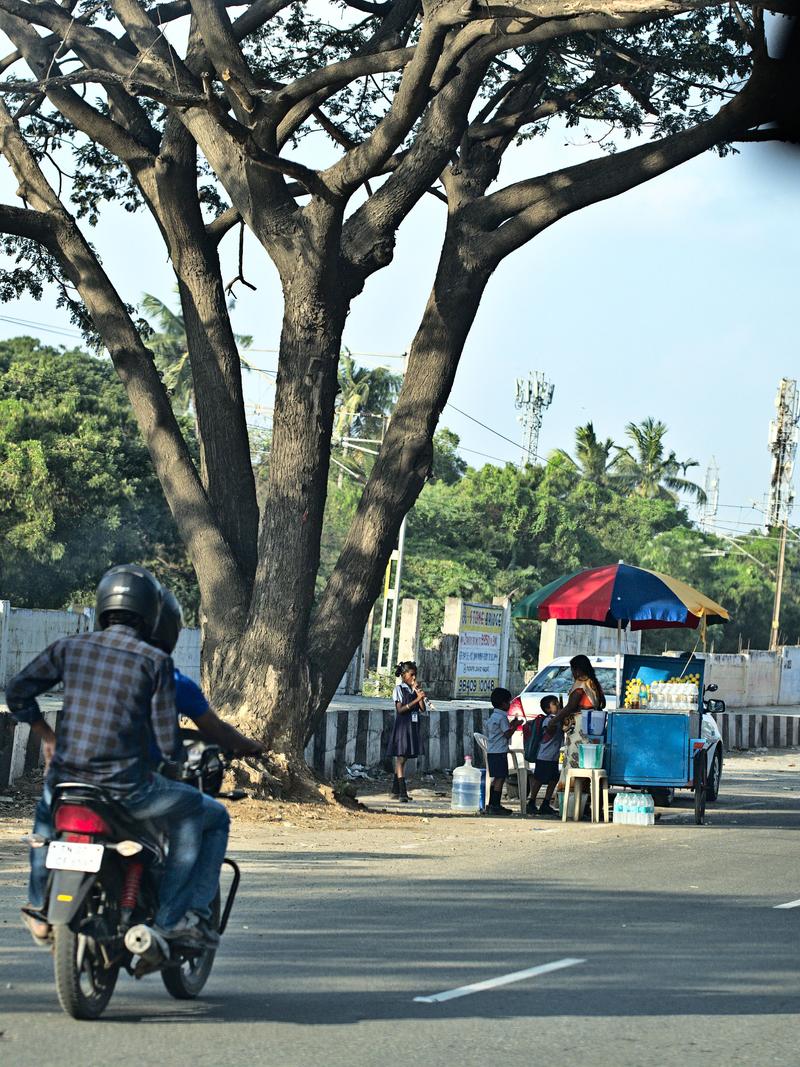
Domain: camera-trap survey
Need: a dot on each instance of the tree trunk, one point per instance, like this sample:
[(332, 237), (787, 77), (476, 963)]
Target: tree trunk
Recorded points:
[(266, 674), (226, 470), (401, 469)]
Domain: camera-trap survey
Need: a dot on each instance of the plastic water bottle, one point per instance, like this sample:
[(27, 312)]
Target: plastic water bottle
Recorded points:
[(651, 811), (466, 795), (620, 809)]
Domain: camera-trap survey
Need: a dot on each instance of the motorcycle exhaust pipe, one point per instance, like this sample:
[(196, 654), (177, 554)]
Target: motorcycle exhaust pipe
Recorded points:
[(145, 943)]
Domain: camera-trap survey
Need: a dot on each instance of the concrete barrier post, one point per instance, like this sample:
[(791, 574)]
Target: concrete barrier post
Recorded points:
[(5, 615)]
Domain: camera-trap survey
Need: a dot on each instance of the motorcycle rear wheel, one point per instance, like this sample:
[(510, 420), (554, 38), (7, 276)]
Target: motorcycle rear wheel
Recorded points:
[(186, 979), (83, 983)]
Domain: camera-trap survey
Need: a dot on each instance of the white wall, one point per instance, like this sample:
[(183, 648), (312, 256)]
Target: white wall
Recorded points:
[(25, 632), (187, 654), (790, 675), (756, 679), (564, 640)]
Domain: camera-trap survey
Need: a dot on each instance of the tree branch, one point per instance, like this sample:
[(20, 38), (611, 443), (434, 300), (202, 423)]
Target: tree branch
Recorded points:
[(105, 78), (40, 56), (513, 215), (222, 224), (218, 574), (512, 123), (256, 16), (409, 102), (336, 75), (24, 222), (102, 49), (223, 50)]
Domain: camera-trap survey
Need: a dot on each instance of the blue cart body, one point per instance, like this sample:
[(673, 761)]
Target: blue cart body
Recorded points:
[(654, 748)]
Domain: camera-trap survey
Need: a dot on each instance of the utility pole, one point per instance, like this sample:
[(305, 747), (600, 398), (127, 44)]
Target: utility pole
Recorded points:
[(783, 437), (391, 601), (534, 397), (774, 635)]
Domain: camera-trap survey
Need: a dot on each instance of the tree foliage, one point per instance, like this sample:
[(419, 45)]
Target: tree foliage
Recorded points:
[(649, 470), (510, 531), (77, 490)]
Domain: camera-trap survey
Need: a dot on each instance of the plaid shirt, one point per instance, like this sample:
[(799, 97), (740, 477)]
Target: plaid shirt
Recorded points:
[(119, 693)]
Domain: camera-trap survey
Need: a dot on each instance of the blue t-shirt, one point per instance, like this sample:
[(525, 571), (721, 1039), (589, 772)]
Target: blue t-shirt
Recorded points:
[(189, 701), (189, 698)]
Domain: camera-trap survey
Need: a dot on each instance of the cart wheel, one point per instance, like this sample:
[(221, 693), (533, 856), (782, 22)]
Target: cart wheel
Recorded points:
[(700, 788)]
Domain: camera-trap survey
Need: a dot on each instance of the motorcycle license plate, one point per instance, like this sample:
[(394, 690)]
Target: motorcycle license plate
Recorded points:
[(72, 856)]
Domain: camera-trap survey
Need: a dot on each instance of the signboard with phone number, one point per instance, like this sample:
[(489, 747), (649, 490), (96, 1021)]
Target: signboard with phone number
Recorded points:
[(479, 644)]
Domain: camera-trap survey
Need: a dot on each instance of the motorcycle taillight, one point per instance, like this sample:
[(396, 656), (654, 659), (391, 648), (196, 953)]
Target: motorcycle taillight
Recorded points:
[(77, 819)]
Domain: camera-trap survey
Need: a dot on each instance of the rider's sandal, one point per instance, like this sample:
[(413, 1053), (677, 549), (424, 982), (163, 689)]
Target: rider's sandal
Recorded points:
[(37, 925)]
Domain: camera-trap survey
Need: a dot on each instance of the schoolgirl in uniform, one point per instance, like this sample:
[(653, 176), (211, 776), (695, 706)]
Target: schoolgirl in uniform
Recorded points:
[(404, 741)]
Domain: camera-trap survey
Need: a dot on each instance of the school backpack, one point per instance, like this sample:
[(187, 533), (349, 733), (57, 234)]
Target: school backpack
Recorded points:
[(532, 737)]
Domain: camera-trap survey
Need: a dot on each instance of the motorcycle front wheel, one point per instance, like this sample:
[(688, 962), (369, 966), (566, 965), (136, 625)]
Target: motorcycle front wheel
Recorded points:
[(185, 979), (83, 982)]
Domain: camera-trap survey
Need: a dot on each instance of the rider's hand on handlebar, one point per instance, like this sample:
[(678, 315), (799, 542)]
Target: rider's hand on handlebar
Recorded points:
[(251, 748)]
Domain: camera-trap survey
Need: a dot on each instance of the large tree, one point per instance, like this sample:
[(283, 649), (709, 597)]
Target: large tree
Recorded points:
[(195, 115)]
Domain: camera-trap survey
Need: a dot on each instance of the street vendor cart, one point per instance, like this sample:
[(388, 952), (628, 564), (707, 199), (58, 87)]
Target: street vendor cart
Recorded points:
[(659, 737)]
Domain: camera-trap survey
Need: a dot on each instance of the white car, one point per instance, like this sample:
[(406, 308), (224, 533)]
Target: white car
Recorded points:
[(556, 680)]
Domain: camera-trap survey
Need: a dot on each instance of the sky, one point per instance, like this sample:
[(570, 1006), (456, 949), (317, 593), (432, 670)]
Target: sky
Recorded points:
[(676, 300)]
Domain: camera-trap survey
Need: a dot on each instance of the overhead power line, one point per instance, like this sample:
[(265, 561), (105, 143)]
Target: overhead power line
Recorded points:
[(497, 433)]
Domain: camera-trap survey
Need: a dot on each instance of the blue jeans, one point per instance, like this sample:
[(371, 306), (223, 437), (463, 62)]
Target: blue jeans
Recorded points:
[(205, 879), (197, 827), (43, 825)]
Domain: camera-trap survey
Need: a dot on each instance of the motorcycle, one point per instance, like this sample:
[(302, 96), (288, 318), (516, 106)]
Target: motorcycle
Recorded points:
[(102, 892)]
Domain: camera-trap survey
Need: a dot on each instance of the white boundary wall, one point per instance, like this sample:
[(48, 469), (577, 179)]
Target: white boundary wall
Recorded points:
[(25, 632), (756, 679)]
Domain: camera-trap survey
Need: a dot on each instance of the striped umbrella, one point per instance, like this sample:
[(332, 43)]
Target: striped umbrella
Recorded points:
[(619, 595)]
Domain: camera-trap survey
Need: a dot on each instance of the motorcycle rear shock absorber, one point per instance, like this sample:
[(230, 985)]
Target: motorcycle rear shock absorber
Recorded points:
[(130, 890)]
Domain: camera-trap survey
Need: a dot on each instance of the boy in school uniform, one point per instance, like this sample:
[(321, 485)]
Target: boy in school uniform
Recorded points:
[(498, 732), (546, 770)]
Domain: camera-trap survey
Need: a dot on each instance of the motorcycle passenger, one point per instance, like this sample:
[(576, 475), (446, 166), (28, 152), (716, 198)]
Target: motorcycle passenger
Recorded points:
[(190, 701), (119, 692)]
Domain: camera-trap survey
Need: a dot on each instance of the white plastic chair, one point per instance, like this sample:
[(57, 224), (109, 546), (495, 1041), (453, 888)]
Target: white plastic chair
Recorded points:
[(516, 764)]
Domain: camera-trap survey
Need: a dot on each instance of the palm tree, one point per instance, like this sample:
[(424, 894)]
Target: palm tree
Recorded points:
[(364, 392), (366, 398), (650, 471), (171, 352), (593, 460)]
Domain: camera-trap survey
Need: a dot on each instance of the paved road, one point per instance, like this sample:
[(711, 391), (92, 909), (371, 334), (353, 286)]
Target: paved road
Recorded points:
[(687, 962)]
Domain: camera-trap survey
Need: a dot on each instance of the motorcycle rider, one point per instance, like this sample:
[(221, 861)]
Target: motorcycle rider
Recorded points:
[(190, 702), (119, 693)]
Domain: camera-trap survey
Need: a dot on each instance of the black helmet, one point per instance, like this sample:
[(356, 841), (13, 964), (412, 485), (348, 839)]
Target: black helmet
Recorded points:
[(170, 621), (131, 589)]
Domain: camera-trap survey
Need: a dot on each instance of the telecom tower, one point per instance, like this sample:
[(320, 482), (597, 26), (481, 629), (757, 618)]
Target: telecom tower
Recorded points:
[(708, 510), (783, 437), (534, 397)]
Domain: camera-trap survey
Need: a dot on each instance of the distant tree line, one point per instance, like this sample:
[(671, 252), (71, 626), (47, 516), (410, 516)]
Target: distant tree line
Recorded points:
[(78, 494)]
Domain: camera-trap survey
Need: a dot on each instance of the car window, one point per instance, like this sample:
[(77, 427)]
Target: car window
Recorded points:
[(552, 679), (607, 677), (558, 679)]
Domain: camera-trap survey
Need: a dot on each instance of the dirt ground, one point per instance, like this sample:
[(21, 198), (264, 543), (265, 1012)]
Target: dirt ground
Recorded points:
[(374, 807)]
